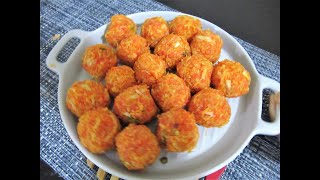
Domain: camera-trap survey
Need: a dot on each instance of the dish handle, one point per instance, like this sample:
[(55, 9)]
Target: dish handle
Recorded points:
[(52, 63), (270, 128)]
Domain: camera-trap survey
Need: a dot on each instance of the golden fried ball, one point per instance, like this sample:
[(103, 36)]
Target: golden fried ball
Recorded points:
[(98, 59), (210, 108), (137, 147), (120, 27), (135, 105), (97, 130), (119, 78), (208, 44), (231, 78), (154, 29), (196, 71), (149, 68), (131, 48), (186, 26), (177, 130), (170, 91), (86, 95), (172, 48)]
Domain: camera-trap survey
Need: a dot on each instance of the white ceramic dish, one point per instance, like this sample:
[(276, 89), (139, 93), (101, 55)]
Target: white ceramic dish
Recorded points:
[(216, 146)]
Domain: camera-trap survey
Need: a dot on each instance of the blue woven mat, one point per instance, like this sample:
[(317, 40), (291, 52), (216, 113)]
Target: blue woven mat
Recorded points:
[(259, 160)]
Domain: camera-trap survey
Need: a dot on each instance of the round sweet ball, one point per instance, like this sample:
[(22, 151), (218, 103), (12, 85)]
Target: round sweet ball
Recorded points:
[(97, 130), (135, 105), (153, 29), (210, 108), (98, 59), (196, 71), (186, 26), (119, 78), (177, 130), (137, 147), (120, 27), (131, 48), (86, 95), (208, 44), (149, 68), (231, 78), (170, 91), (172, 48)]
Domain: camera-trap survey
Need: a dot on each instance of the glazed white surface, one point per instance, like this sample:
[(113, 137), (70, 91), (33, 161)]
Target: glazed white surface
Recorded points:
[(216, 146)]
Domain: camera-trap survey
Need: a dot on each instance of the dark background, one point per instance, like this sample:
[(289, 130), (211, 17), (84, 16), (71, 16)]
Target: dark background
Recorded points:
[(255, 21)]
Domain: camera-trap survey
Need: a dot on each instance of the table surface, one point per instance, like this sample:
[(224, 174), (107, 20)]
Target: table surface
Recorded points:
[(255, 21)]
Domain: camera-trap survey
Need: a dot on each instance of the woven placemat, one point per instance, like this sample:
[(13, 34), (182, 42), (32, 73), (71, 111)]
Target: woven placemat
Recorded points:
[(259, 160)]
